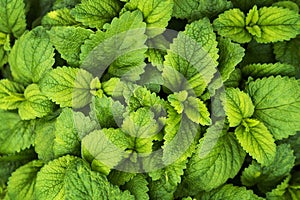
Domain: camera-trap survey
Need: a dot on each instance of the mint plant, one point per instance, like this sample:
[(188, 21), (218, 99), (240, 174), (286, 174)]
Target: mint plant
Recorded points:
[(149, 99)]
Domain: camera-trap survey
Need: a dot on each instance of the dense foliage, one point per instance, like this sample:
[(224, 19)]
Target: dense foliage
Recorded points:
[(149, 99)]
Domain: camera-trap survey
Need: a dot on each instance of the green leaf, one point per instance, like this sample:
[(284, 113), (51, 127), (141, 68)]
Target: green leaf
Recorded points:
[(277, 24), (60, 17), (246, 5), (218, 157), (190, 62), (202, 32), (197, 9), (138, 186), (96, 13), (107, 112), (288, 52), (294, 142), (280, 192), (287, 4), (68, 40), (180, 135), (69, 87), (11, 162), (238, 106), (50, 180), (234, 79), (232, 24), (12, 15), (143, 128), (15, 134), (117, 177), (65, 3), (31, 56), (11, 94), (231, 54), (156, 13), (142, 97), (82, 183), (256, 139), (169, 178), (196, 111), (44, 139), (277, 105), (36, 104), (176, 100), (121, 48), (231, 192), (265, 70), (106, 147), (22, 181), (258, 53), (269, 176), (70, 128)]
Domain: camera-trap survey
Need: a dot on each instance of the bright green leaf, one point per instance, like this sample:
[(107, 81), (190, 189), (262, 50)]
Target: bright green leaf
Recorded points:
[(238, 106), (277, 24), (202, 32), (44, 139), (107, 112), (83, 183), (277, 105), (96, 13), (143, 128), (121, 48), (60, 17), (156, 13), (35, 105), (106, 146), (11, 94), (252, 17), (176, 100), (232, 24), (50, 180), (12, 15), (138, 186), (70, 128), (31, 56), (218, 157), (256, 139), (169, 178), (196, 111), (191, 61), (68, 40), (22, 181), (15, 134), (69, 87), (231, 54), (117, 177), (180, 133)]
